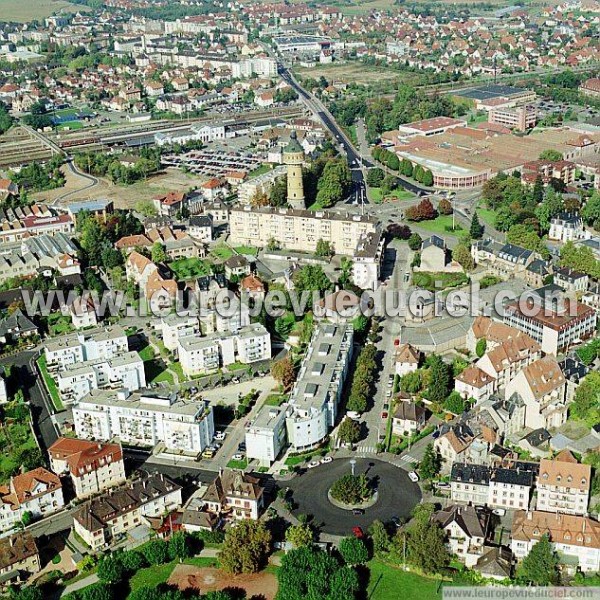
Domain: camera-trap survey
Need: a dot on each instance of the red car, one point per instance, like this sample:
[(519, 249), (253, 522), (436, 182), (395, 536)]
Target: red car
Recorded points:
[(384, 415), (358, 532)]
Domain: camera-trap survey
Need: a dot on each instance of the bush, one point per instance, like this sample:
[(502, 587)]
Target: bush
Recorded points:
[(351, 489), (353, 551), (156, 552)]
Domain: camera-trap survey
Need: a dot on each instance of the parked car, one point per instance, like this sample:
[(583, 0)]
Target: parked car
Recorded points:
[(353, 414), (238, 456), (499, 512), (220, 435), (313, 463), (413, 477), (358, 532), (208, 453), (442, 485), (358, 511), (326, 459), (384, 415)]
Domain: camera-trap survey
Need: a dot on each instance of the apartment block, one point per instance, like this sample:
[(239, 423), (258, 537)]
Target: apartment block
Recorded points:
[(145, 419), (563, 485), (92, 466), (38, 492), (298, 230), (123, 371), (316, 394), (266, 434), (104, 344), (367, 260), (103, 520), (199, 355)]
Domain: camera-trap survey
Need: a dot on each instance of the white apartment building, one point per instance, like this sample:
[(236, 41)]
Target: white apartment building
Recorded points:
[(366, 263), (38, 492), (567, 227), (102, 520), (575, 538), (316, 394), (263, 66), (123, 371), (205, 354), (266, 434), (510, 488), (298, 230), (145, 419), (174, 327), (223, 318), (563, 485), (90, 345), (93, 467)]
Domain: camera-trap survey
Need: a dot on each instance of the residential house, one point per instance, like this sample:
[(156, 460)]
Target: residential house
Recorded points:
[(469, 483), (576, 539), (235, 494), (253, 287), (571, 281), (408, 418), (511, 487), (104, 519), (467, 529), (453, 445), (19, 558), (37, 492), (83, 313), (542, 387), (436, 257), (407, 359), (16, 327), (200, 227), (474, 383), (236, 266), (563, 485), (567, 227), (92, 466)]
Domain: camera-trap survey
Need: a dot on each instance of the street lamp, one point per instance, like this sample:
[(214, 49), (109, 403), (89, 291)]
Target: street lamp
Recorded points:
[(352, 465)]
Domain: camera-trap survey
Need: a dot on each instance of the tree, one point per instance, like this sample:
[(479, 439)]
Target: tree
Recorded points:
[(445, 207), (580, 258), (439, 380), (132, 560), (156, 552), (524, 236), (158, 253), (402, 232), (351, 489), (427, 179), (551, 155), (586, 404), (360, 324), (476, 230), (180, 546), (146, 208), (431, 463), (540, 566), (27, 518), (414, 242), (538, 190), (283, 371), (311, 278), (481, 347), (425, 546), (462, 255), (324, 249), (309, 573), (424, 211), (411, 383), (98, 591), (300, 535), (111, 569), (379, 537), (353, 551), (455, 404), (349, 431), (375, 177), (590, 213), (245, 548)]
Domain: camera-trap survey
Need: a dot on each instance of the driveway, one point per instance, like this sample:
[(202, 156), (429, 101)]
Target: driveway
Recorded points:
[(397, 495)]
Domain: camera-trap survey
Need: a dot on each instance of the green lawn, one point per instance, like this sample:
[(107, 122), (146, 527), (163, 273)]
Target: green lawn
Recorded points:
[(438, 281), (16, 439), (275, 399), (441, 224), (390, 583), (146, 353), (189, 268), (398, 194), (70, 126), (222, 252), (176, 366), (264, 168), (487, 215), (237, 464), (250, 250), (50, 383)]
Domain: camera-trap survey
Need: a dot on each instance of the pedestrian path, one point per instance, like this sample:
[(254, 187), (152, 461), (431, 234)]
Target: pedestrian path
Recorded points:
[(366, 450), (408, 458)]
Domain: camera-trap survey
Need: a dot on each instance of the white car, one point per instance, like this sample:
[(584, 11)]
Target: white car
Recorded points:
[(220, 435), (326, 459), (499, 512), (238, 457), (352, 414), (313, 463), (413, 477)]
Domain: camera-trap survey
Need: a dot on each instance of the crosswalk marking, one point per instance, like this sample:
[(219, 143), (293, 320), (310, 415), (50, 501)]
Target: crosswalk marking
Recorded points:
[(408, 458), (367, 449)]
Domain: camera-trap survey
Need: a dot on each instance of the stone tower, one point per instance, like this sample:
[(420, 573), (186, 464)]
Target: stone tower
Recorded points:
[(293, 157)]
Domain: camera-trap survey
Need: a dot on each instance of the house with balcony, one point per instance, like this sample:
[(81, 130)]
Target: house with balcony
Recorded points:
[(235, 494)]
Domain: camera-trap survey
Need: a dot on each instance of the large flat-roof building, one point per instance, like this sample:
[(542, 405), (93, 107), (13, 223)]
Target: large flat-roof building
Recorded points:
[(315, 396), (296, 229), (145, 419), (266, 434)]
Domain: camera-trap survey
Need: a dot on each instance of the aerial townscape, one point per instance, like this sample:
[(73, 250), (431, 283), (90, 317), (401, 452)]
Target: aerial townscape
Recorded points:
[(299, 300)]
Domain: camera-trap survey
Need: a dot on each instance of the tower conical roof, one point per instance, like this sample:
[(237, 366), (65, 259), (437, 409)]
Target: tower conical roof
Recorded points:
[(294, 145)]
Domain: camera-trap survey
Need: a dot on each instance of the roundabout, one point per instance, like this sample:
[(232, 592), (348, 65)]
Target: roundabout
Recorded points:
[(396, 495)]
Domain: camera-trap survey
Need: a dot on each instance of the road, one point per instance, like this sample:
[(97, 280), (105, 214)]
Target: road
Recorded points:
[(92, 182)]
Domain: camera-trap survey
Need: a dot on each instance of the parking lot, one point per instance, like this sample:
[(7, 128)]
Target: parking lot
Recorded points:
[(213, 163)]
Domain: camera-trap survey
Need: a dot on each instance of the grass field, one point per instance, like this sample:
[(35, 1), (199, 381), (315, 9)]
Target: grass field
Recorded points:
[(249, 250), (438, 281), (50, 383), (21, 12), (399, 194), (389, 583), (222, 252), (189, 268), (439, 225), (486, 215)]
